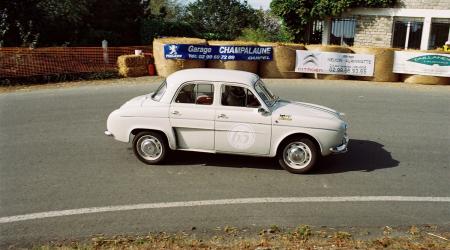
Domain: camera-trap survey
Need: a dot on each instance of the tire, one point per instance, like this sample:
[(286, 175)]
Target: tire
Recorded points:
[(150, 147), (298, 155)]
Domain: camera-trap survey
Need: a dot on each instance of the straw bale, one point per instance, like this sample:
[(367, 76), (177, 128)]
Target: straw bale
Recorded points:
[(384, 62), (283, 63), (429, 80), (165, 67), (250, 66), (131, 61), (133, 71), (329, 48)]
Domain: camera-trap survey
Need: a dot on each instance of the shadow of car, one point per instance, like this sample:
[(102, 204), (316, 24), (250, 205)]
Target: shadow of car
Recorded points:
[(364, 156)]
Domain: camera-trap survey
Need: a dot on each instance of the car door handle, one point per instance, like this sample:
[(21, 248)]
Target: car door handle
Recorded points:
[(223, 116), (175, 112)]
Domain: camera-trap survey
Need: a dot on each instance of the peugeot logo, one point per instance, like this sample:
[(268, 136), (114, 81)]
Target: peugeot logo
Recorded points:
[(173, 49)]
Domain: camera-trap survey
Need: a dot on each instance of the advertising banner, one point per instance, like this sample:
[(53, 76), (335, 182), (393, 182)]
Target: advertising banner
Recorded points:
[(225, 53), (420, 63), (334, 63)]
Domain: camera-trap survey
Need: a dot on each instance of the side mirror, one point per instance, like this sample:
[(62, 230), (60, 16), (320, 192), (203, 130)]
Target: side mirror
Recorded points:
[(263, 111)]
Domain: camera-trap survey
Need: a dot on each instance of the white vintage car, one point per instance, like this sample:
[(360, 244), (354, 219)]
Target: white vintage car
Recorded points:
[(227, 111)]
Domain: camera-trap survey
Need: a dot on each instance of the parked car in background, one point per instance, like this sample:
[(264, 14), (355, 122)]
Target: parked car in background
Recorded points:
[(227, 111)]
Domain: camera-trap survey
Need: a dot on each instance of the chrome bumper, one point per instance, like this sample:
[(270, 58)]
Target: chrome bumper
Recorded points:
[(108, 133), (341, 148)]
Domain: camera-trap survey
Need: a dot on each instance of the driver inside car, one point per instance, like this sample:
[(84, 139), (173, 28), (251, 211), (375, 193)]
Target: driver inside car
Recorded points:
[(186, 94), (234, 96)]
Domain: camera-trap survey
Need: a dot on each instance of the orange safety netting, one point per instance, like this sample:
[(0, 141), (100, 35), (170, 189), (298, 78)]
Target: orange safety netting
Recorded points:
[(23, 62)]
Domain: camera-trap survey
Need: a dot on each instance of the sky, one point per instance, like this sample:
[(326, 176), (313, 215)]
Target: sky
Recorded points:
[(265, 4)]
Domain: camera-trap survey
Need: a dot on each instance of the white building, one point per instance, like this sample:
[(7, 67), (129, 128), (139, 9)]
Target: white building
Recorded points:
[(413, 24)]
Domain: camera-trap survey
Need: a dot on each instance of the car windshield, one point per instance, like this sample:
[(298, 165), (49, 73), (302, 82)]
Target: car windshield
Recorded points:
[(265, 93), (159, 92)]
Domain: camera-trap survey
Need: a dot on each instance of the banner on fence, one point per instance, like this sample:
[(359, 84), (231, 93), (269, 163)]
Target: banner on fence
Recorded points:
[(226, 53), (334, 63), (420, 63)]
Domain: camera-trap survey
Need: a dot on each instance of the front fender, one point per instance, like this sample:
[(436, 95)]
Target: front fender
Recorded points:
[(324, 138)]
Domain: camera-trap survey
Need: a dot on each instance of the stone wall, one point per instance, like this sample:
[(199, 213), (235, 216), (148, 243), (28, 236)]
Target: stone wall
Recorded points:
[(424, 4), (373, 31)]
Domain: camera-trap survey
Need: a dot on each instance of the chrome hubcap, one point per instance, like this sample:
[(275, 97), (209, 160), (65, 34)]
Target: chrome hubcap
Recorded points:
[(297, 155), (149, 147)]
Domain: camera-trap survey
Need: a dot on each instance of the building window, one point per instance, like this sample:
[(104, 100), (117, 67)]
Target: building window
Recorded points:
[(343, 31), (314, 31), (405, 26), (440, 33)]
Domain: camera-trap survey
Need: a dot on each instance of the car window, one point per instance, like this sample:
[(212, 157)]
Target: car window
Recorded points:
[(238, 97), (160, 92), (265, 93), (201, 93)]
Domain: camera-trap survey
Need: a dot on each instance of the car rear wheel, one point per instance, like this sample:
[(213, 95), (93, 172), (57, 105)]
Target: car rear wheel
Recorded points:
[(150, 147), (298, 155)]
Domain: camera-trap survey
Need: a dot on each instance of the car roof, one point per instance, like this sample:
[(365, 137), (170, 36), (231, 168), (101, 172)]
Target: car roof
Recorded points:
[(214, 75)]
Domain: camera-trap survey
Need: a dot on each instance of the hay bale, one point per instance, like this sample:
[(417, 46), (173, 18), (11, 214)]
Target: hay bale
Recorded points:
[(131, 61), (133, 71), (429, 80), (283, 63), (250, 66), (384, 63), (330, 48), (165, 67)]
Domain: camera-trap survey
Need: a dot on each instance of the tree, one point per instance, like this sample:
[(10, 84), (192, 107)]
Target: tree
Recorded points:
[(220, 19), (296, 14), (164, 18), (70, 22), (117, 21), (269, 29), (166, 9), (48, 20)]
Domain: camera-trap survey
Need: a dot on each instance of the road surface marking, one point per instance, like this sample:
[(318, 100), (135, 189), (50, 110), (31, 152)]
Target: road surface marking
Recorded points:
[(92, 210)]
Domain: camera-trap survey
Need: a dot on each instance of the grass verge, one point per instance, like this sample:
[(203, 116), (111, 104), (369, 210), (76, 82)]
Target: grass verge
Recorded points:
[(302, 237)]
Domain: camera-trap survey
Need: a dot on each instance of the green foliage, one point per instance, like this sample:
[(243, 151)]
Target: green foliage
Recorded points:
[(165, 18), (77, 22), (296, 14), (26, 35), (269, 29), (157, 27), (117, 21), (261, 35), (255, 35), (166, 9), (4, 26), (220, 19)]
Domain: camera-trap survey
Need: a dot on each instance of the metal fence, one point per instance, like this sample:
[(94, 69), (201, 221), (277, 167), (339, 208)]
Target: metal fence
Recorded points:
[(24, 62)]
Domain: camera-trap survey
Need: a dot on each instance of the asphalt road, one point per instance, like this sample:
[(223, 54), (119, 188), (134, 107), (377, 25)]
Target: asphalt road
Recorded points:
[(54, 156)]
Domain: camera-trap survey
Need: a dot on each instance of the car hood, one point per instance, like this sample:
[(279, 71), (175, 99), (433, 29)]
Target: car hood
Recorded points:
[(305, 109), (305, 115)]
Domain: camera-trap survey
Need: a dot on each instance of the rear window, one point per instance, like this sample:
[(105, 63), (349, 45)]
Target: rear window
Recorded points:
[(159, 93), (196, 93)]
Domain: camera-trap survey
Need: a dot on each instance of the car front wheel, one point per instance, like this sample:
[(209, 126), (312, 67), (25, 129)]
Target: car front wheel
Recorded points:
[(150, 147), (298, 155)]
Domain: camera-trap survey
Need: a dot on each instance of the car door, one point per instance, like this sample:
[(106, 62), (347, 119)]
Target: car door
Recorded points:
[(239, 127), (192, 116)]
